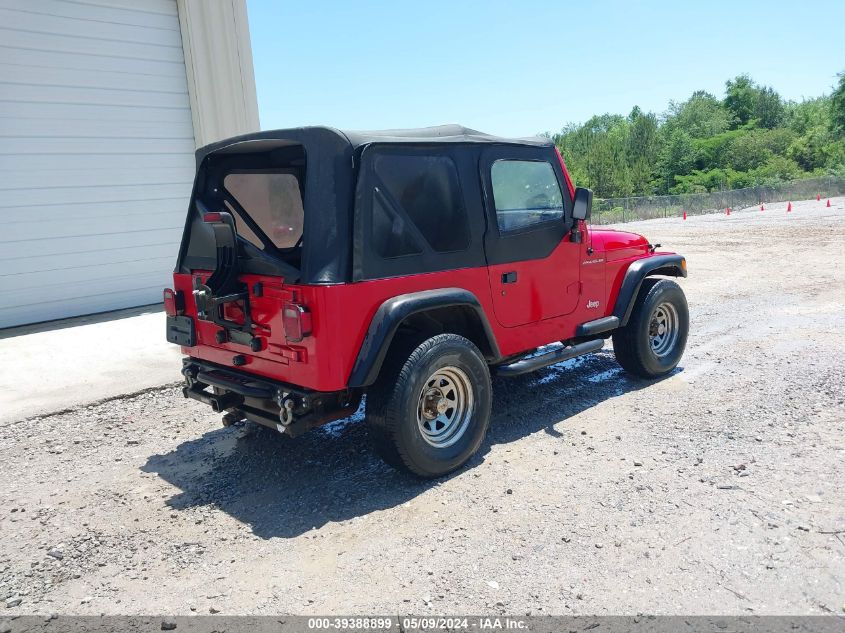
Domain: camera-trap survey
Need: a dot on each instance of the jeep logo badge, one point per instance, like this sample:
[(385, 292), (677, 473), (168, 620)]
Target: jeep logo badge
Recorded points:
[(592, 304)]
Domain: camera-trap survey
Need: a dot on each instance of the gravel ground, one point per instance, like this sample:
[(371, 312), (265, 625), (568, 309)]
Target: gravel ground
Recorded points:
[(718, 490)]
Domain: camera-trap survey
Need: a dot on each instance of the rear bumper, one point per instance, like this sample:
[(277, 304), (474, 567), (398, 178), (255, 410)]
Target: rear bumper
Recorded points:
[(287, 408), (238, 382)]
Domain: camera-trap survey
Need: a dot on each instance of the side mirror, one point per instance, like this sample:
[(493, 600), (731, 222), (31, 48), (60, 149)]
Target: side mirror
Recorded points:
[(583, 204)]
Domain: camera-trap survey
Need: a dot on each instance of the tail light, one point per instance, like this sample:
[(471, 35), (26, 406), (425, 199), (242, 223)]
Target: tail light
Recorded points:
[(297, 322), (174, 302)]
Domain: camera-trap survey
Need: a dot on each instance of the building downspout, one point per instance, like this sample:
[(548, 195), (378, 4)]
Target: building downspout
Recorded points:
[(218, 64)]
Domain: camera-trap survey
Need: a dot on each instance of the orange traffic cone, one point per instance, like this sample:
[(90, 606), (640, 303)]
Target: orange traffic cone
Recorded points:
[(828, 203), (818, 197), (762, 208), (685, 215), (789, 207)]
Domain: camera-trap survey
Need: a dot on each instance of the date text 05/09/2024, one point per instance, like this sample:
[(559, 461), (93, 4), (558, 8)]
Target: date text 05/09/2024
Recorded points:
[(411, 623)]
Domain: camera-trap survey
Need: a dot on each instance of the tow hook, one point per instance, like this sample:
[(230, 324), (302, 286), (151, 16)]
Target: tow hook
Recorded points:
[(190, 374), (286, 405)]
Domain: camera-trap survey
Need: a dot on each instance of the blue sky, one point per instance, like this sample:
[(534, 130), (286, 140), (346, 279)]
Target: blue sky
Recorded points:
[(522, 67)]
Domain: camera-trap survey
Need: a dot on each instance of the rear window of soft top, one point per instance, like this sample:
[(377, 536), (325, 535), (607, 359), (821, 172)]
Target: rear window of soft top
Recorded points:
[(273, 201)]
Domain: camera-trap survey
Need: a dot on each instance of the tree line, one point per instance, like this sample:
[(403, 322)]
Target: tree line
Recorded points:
[(751, 136)]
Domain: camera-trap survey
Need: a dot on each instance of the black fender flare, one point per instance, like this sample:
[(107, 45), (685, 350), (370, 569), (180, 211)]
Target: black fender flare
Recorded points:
[(670, 265), (390, 316)]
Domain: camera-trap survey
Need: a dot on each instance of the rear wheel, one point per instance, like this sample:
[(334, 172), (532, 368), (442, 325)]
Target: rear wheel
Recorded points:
[(430, 409), (653, 341)]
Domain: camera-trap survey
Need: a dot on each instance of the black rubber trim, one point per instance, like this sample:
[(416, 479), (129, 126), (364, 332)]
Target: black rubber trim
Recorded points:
[(550, 358), (591, 328), (389, 317), (670, 265)]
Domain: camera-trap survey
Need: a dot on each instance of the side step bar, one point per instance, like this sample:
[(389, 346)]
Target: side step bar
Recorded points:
[(599, 326), (550, 358)]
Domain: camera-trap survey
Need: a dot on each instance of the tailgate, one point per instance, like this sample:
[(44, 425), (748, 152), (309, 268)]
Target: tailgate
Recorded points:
[(248, 325)]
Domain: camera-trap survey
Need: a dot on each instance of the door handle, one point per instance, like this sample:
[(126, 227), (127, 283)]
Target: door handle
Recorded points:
[(509, 278)]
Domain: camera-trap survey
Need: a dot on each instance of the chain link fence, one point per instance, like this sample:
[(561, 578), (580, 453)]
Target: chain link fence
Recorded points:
[(616, 210)]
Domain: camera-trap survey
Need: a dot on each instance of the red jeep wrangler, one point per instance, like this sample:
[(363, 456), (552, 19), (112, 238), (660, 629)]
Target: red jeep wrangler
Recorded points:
[(408, 265)]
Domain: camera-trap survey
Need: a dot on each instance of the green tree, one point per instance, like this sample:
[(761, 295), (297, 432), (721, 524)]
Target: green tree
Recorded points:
[(703, 143), (642, 150), (817, 142), (768, 108), (837, 106), (749, 102), (701, 116), (748, 151), (740, 94), (596, 151), (677, 157)]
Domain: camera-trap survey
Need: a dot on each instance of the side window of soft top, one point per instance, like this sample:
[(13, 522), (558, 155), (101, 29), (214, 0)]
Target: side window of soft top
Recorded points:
[(416, 201), (525, 192)]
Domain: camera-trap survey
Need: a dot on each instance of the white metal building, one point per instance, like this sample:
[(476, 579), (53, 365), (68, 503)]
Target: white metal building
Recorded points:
[(102, 103)]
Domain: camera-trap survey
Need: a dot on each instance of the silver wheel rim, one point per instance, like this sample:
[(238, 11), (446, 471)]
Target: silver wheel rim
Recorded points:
[(663, 329), (445, 407)]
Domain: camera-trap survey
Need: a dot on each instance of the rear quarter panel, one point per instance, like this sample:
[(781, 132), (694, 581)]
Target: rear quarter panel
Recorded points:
[(340, 314)]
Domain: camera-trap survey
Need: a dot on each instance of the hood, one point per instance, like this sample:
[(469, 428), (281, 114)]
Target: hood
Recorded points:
[(612, 240)]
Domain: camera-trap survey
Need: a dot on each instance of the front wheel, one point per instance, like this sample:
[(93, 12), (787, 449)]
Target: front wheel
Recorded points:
[(653, 341), (429, 411)]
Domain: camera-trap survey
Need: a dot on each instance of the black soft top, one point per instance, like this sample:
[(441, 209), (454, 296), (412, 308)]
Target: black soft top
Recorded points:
[(332, 138), (329, 191)]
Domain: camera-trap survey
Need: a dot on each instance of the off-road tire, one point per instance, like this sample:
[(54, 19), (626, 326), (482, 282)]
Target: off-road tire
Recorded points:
[(395, 402), (634, 344)]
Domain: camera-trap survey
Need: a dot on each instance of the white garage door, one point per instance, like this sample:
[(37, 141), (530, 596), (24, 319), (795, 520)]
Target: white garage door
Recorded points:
[(96, 155)]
